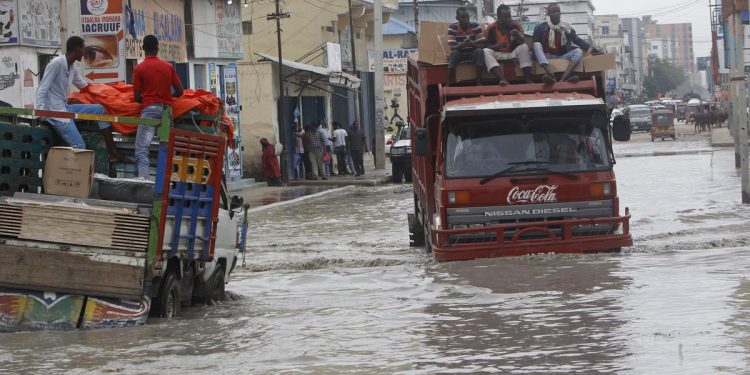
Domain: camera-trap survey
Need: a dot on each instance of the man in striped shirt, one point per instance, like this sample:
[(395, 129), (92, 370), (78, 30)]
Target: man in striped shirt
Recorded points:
[(466, 40)]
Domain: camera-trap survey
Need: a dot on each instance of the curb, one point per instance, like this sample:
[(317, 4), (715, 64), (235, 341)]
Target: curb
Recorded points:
[(299, 200), (348, 182)]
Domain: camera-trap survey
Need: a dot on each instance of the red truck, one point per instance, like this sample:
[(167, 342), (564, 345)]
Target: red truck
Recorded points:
[(513, 170)]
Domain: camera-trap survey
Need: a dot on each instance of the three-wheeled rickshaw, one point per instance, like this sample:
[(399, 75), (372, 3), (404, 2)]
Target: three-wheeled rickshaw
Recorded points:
[(662, 124)]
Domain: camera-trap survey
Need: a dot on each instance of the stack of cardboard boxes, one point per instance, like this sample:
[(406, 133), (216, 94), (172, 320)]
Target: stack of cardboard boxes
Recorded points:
[(434, 50)]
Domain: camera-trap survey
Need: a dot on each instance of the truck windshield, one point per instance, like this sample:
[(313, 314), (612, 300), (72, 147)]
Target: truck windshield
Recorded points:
[(480, 149)]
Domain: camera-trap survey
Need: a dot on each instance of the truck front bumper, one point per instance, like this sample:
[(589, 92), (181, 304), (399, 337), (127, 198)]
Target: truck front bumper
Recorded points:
[(560, 236)]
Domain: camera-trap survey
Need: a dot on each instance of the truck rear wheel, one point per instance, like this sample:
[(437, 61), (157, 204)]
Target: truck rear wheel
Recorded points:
[(427, 245), (416, 232), (168, 302)]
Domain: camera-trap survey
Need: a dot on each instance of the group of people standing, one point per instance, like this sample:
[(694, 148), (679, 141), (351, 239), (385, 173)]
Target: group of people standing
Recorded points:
[(504, 40), (315, 147)]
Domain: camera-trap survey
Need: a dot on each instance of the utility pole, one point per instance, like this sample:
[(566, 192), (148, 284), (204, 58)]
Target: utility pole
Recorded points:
[(354, 63), (379, 152), (739, 91), (285, 132), (416, 17)]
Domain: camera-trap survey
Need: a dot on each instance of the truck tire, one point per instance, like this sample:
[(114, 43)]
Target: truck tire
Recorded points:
[(395, 172), (167, 303), (217, 291), (408, 176), (416, 232), (427, 245)]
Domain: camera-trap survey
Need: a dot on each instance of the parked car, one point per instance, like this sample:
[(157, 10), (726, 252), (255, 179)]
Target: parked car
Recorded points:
[(401, 155), (615, 112), (389, 139), (639, 116)]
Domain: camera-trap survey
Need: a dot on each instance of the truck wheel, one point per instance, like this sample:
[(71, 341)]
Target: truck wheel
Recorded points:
[(396, 172), (416, 232), (217, 285), (168, 302), (427, 245)]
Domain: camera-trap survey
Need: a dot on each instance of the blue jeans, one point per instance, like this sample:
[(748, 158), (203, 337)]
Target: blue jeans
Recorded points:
[(143, 138), (575, 55), (67, 129)]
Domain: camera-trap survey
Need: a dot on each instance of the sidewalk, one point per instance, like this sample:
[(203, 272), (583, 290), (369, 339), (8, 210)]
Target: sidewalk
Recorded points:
[(720, 137), (260, 196), (372, 177)]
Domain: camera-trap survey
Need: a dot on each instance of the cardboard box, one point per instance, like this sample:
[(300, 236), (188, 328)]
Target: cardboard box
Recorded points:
[(467, 71), (433, 42), (68, 172), (599, 63)]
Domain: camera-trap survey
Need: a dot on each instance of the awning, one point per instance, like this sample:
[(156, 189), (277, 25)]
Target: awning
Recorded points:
[(334, 77)]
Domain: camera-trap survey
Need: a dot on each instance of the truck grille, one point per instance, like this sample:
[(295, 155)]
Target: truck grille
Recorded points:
[(478, 217)]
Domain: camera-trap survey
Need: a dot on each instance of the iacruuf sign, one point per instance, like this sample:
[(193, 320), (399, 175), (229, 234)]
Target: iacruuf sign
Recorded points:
[(102, 27)]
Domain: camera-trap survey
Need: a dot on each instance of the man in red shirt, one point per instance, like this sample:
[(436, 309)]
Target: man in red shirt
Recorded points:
[(153, 80)]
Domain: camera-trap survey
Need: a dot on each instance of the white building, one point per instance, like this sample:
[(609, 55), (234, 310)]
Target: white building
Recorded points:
[(578, 13)]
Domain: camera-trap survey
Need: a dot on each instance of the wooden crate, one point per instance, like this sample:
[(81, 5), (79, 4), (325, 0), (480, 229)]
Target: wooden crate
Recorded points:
[(74, 224)]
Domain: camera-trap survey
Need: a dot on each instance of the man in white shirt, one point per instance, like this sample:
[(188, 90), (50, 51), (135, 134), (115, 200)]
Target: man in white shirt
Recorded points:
[(339, 144), (52, 95)]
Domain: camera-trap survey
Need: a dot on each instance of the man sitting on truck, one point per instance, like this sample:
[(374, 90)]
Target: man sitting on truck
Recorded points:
[(52, 95), (466, 40), (552, 40), (505, 41)]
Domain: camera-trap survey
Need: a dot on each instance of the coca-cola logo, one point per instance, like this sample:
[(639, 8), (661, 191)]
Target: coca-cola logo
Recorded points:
[(539, 194)]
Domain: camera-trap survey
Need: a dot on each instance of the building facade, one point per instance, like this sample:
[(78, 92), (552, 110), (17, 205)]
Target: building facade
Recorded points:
[(319, 42), (635, 45), (680, 36)]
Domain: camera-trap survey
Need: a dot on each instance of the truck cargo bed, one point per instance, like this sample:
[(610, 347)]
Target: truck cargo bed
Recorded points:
[(73, 245)]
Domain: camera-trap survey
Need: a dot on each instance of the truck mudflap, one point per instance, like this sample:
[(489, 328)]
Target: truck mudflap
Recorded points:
[(27, 310), (559, 236)]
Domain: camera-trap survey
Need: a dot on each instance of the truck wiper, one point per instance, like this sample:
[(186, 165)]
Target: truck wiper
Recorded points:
[(513, 166)]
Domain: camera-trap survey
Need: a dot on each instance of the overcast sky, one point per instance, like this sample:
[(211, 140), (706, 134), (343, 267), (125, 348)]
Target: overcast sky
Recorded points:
[(666, 11)]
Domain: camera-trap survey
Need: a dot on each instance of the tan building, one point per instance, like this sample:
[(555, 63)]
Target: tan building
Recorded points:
[(316, 47), (681, 40)]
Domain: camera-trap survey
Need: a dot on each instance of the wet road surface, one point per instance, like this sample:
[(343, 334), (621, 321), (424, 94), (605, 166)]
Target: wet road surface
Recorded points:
[(332, 286)]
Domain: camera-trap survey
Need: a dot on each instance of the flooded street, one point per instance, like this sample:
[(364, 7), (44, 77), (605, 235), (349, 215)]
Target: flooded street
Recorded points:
[(331, 286)]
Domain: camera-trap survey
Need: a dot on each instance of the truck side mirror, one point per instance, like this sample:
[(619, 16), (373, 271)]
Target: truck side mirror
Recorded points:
[(236, 202), (621, 128), (421, 142)]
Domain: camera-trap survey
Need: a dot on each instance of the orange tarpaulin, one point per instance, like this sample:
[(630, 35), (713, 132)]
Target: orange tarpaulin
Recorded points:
[(118, 100)]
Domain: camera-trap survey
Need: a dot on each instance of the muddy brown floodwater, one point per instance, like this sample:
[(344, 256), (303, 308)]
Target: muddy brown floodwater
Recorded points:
[(331, 286)]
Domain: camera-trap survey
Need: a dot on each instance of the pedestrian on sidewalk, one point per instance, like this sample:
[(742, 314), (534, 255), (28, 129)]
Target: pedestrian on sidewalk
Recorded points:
[(155, 83), (306, 157), (327, 158), (357, 147), (299, 152), (317, 147), (52, 95), (339, 144), (270, 164)]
